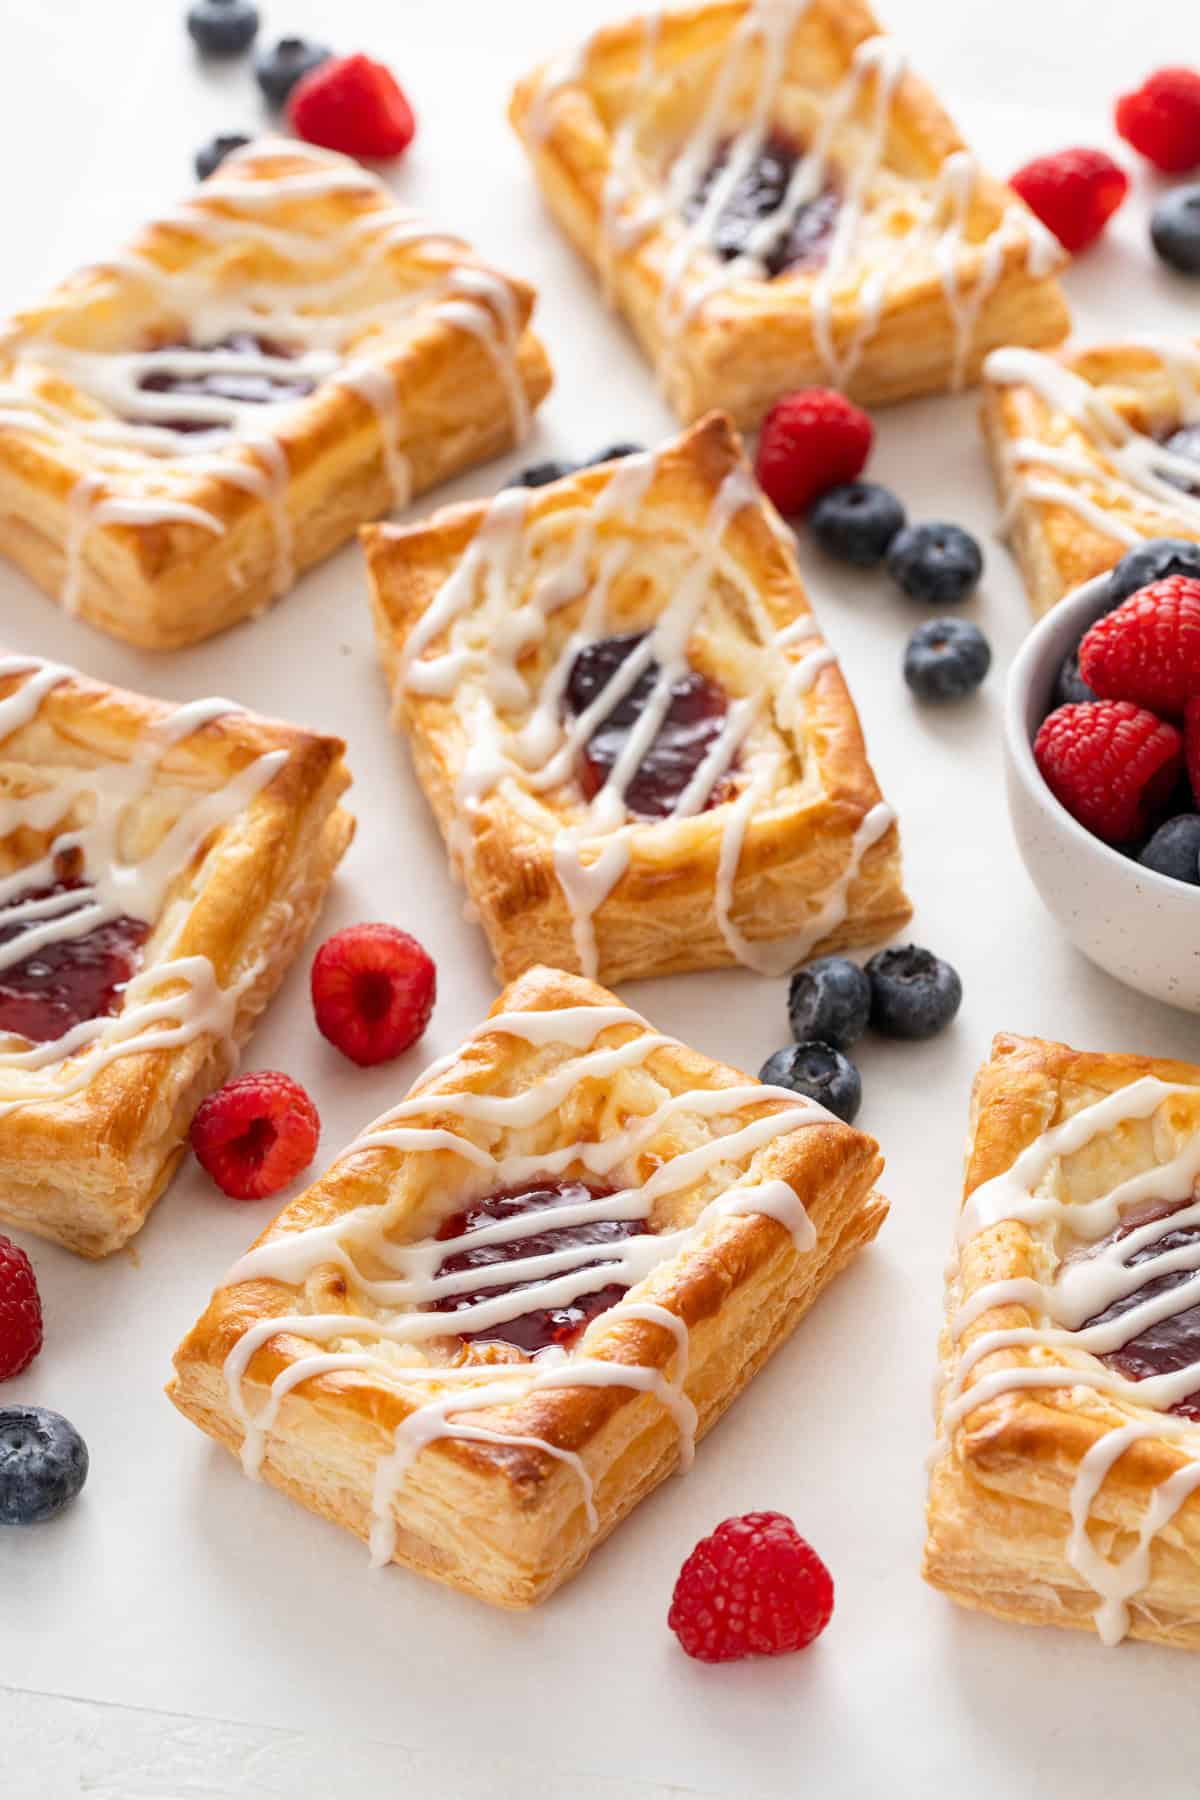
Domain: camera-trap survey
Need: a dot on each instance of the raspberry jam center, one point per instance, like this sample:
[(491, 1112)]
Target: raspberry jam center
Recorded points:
[(694, 719), (802, 241), (244, 386), (70, 979), (1186, 443), (1174, 1342), (540, 1326)]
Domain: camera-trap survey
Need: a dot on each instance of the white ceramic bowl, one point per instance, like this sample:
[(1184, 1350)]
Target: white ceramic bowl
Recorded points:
[(1141, 927)]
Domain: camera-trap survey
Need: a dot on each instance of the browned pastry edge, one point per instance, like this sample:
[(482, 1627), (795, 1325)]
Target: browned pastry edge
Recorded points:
[(660, 917), (85, 1169), (507, 1524), (998, 1510), (741, 354)]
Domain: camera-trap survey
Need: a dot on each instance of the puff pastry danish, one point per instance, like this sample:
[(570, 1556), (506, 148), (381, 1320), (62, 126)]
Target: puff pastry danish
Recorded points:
[(1066, 1487), (1093, 450), (508, 1311), (771, 199), (289, 353), (159, 869), (640, 753)]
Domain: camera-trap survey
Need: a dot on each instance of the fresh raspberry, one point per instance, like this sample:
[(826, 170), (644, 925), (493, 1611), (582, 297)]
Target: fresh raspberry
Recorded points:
[(353, 105), (811, 441), (20, 1311), (1162, 119), (754, 1588), (373, 989), (1148, 650), (1112, 765), (256, 1134), (1191, 745), (1073, 192)]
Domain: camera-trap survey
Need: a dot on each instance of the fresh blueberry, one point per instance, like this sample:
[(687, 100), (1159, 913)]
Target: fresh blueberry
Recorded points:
[(1070, 689), (819, 1072), (280, 68), (43, 1464), (938, 563), (1152, 561), (946, 659), (914, 994), (213, 154), (829, 1001), (1175, 229), (542, 474), (222, 27), (857, 521), (1175, 849), (615, 452)]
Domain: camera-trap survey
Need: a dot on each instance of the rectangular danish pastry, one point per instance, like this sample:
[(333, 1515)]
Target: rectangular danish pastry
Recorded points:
[(641, 754), (1066, 1484), (187, 426), (508, 1310), (771, 199), (159, 868), (1094, 451)]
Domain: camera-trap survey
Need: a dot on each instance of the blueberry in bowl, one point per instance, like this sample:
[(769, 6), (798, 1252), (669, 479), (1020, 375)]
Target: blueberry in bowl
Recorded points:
[(820, 1073), (1146, 563), (1174, 849)]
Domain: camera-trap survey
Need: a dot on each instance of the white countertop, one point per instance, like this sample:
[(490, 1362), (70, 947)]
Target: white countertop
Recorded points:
[(180, 1631)]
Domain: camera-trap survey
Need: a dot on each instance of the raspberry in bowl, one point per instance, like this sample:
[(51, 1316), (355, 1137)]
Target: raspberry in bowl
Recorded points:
[(1089, 791)]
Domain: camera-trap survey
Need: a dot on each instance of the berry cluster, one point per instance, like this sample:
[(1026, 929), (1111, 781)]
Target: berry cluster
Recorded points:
[(1121, 747), (1075, 192), (905, 992), (346, 103), (813, 447)]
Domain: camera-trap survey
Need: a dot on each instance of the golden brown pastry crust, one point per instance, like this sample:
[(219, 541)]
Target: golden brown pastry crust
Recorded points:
[(1056, 547), (169, 582), (86, 1167), (661, 917), (1000, 1490), (754, 340), (507, 1523)]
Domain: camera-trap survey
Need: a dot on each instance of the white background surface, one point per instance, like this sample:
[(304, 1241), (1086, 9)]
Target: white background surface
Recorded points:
[(180, 1631)]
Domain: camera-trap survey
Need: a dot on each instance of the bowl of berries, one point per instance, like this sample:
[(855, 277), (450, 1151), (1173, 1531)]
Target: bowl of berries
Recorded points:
[(1103, 756)]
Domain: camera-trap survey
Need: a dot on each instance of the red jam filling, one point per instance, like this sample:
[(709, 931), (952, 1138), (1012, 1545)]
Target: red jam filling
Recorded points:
[(1186, 443), (1174, 1343), (803, 243), (692, 723), (69, 979), (541, 1326), (242, 386)]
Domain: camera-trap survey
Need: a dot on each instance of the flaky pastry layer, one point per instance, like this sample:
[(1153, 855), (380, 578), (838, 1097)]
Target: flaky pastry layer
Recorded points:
[(1002, 1537), (506, 1521)]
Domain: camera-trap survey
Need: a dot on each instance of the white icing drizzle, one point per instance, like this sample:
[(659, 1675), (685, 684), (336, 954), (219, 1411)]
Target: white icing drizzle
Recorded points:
[(478, 672), (928, 221), (400, 1320), (141, 443), (1118, 466), (178, 998), (1084, 1286)]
